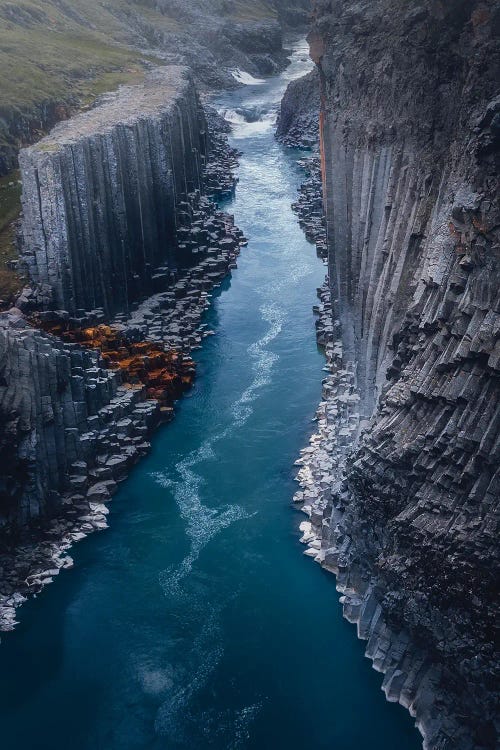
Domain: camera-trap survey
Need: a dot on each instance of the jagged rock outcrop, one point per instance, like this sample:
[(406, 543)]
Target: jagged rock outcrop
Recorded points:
[(410, 151), (60, 409), (216, 36), (298, 119), (123, 243), (309, 205), (294, 14), (100, 194)]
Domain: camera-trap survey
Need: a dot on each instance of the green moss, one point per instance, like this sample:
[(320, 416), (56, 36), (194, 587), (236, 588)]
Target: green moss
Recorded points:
[(10, 206), (67, 53)]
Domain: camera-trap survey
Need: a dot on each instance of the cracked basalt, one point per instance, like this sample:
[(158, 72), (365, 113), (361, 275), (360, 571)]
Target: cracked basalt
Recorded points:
[(82, 387), (405, 511), (100, 194)]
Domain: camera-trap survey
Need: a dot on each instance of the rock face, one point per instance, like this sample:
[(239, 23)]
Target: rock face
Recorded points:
[(218, 36), (298, 120), (59, 406), (410, 151), (100, 194), (123, 243), (295, 13)]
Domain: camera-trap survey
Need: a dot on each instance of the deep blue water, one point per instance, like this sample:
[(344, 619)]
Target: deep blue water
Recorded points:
[(195, 621)]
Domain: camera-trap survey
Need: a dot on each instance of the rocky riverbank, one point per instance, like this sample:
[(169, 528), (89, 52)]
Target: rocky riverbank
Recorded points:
[(401, 478), (309, 205), (97, 424), (81, 390)]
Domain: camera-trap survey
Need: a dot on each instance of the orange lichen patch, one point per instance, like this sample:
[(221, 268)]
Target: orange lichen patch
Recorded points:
[(322, 151), (479, 225), (480, 16), (166, 374)]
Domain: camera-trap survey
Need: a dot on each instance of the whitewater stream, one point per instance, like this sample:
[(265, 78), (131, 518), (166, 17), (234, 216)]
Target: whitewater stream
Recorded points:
[(195, 621)]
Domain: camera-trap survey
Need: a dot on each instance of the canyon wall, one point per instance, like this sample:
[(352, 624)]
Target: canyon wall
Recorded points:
[(410, 149), (100, 195), (61, 410), (298, 119), (121, 248)]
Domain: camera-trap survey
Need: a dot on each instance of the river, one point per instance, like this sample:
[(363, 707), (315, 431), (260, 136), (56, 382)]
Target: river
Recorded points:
[(195, 621)]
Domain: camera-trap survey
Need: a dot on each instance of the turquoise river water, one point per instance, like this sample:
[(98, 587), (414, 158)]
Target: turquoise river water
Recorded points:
[(195, 621)]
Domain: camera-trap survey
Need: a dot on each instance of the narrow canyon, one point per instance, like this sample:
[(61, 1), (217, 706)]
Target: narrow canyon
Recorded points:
[(248, 225)]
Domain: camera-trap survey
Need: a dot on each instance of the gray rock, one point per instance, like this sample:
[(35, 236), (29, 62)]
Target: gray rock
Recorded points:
[(411, 516)]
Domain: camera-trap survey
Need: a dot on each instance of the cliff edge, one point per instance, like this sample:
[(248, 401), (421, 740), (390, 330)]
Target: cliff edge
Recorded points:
[(410, 137), (100, 194)]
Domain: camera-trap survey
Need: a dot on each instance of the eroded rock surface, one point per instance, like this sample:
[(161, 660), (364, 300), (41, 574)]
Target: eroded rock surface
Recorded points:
[(407, 518), (100, 194), (123, 244), (298, 121)]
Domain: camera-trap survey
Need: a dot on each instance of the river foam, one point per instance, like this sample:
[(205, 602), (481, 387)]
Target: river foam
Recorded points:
[(203, 523), (246, 78)]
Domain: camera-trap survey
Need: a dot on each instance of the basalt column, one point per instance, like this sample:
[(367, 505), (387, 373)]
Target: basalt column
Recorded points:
[(100, 194), (410, 150)]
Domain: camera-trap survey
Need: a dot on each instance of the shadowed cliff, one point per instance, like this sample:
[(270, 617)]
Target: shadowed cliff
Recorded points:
[(410, 150)]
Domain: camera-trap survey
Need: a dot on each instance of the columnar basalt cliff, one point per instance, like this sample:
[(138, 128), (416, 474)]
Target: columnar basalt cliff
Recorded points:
[(408, 520), (122, 245), (100, 194), (60, 408), (298, 120)]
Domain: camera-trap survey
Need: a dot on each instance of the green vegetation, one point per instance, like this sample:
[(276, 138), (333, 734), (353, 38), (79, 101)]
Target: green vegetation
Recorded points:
[(49, 50), (56, 57), (10, 195), (241, 10)]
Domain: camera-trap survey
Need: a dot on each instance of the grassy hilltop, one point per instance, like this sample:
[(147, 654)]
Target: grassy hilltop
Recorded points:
[(57, 56), (65, 52), (53, 48)]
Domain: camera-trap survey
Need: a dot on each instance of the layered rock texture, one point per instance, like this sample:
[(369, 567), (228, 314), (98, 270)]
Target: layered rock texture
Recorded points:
[(410, 151), (61, 408)]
